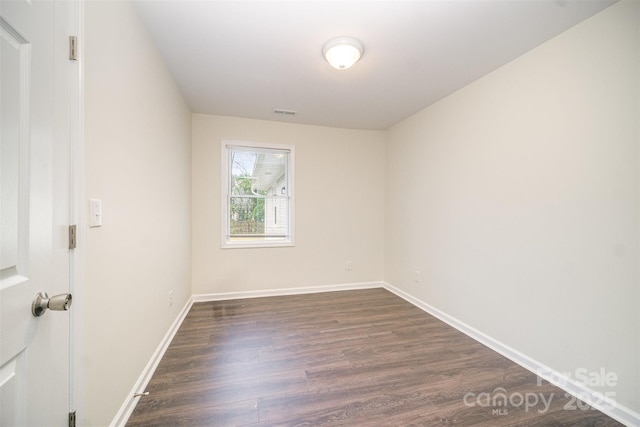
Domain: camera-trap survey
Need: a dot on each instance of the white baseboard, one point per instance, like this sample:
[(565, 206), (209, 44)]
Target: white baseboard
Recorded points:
[(609, 407), (130, 402), (286, 291)]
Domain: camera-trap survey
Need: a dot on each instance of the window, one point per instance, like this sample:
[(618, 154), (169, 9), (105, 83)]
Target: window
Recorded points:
[(257, 195)]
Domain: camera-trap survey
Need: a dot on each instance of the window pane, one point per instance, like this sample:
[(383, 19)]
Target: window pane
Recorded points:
[(246, 216), (257, 172)]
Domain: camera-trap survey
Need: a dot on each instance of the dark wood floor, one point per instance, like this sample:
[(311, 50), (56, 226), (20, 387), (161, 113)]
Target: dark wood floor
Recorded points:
[(350, 358)]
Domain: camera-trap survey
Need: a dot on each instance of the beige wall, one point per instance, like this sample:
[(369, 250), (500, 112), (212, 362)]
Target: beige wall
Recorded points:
[(339, 207), (137, 160), (517, 200)]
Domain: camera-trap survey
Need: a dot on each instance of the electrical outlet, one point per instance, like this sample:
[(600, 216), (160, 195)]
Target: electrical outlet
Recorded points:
[(170, 298), (418, 277), (348, 266)]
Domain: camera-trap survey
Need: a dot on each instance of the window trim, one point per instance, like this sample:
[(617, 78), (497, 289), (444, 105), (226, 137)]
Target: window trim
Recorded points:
[(225, 242)]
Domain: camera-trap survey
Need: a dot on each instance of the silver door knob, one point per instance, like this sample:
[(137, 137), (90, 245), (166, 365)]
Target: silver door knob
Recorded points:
[(42, 302)]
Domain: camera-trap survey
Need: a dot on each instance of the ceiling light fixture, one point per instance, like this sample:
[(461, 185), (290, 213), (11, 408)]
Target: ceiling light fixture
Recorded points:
[(342, 52)]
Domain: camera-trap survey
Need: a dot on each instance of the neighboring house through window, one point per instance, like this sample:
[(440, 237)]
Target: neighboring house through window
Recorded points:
[(257, 194)]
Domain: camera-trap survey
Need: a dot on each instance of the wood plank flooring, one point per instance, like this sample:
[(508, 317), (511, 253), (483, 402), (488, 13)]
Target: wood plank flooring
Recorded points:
[(349, 358)]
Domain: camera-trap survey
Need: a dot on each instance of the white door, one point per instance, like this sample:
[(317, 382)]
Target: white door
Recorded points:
[(34, 212)]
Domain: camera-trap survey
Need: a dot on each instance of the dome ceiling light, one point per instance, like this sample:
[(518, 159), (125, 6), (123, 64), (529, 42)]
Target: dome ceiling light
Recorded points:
[(342, 52)]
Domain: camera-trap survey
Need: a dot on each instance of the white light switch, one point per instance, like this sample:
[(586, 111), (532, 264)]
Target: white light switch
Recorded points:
[(95, 213)]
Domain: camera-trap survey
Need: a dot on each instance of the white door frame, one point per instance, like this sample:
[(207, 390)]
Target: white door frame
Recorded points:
[(76, 208)]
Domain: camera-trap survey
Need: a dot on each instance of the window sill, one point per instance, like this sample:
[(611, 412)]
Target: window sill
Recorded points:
[(249, 245)]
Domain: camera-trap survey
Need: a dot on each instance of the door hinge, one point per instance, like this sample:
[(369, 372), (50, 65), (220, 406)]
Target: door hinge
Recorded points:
[(73, 48), (72, 237), (72, 419)]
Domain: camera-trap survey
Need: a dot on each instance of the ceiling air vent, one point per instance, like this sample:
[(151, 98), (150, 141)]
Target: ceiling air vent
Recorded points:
[(284, 112)]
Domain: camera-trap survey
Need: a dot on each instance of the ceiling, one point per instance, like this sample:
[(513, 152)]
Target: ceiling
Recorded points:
[(247, 58)]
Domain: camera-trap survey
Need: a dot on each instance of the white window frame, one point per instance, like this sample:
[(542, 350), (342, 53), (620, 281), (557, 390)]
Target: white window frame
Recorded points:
[(225, 159)]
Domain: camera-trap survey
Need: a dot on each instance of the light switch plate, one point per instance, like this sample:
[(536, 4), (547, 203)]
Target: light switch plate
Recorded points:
[(95, 213)]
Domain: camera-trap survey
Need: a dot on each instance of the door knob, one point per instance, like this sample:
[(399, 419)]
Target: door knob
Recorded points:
[(42, 302)]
